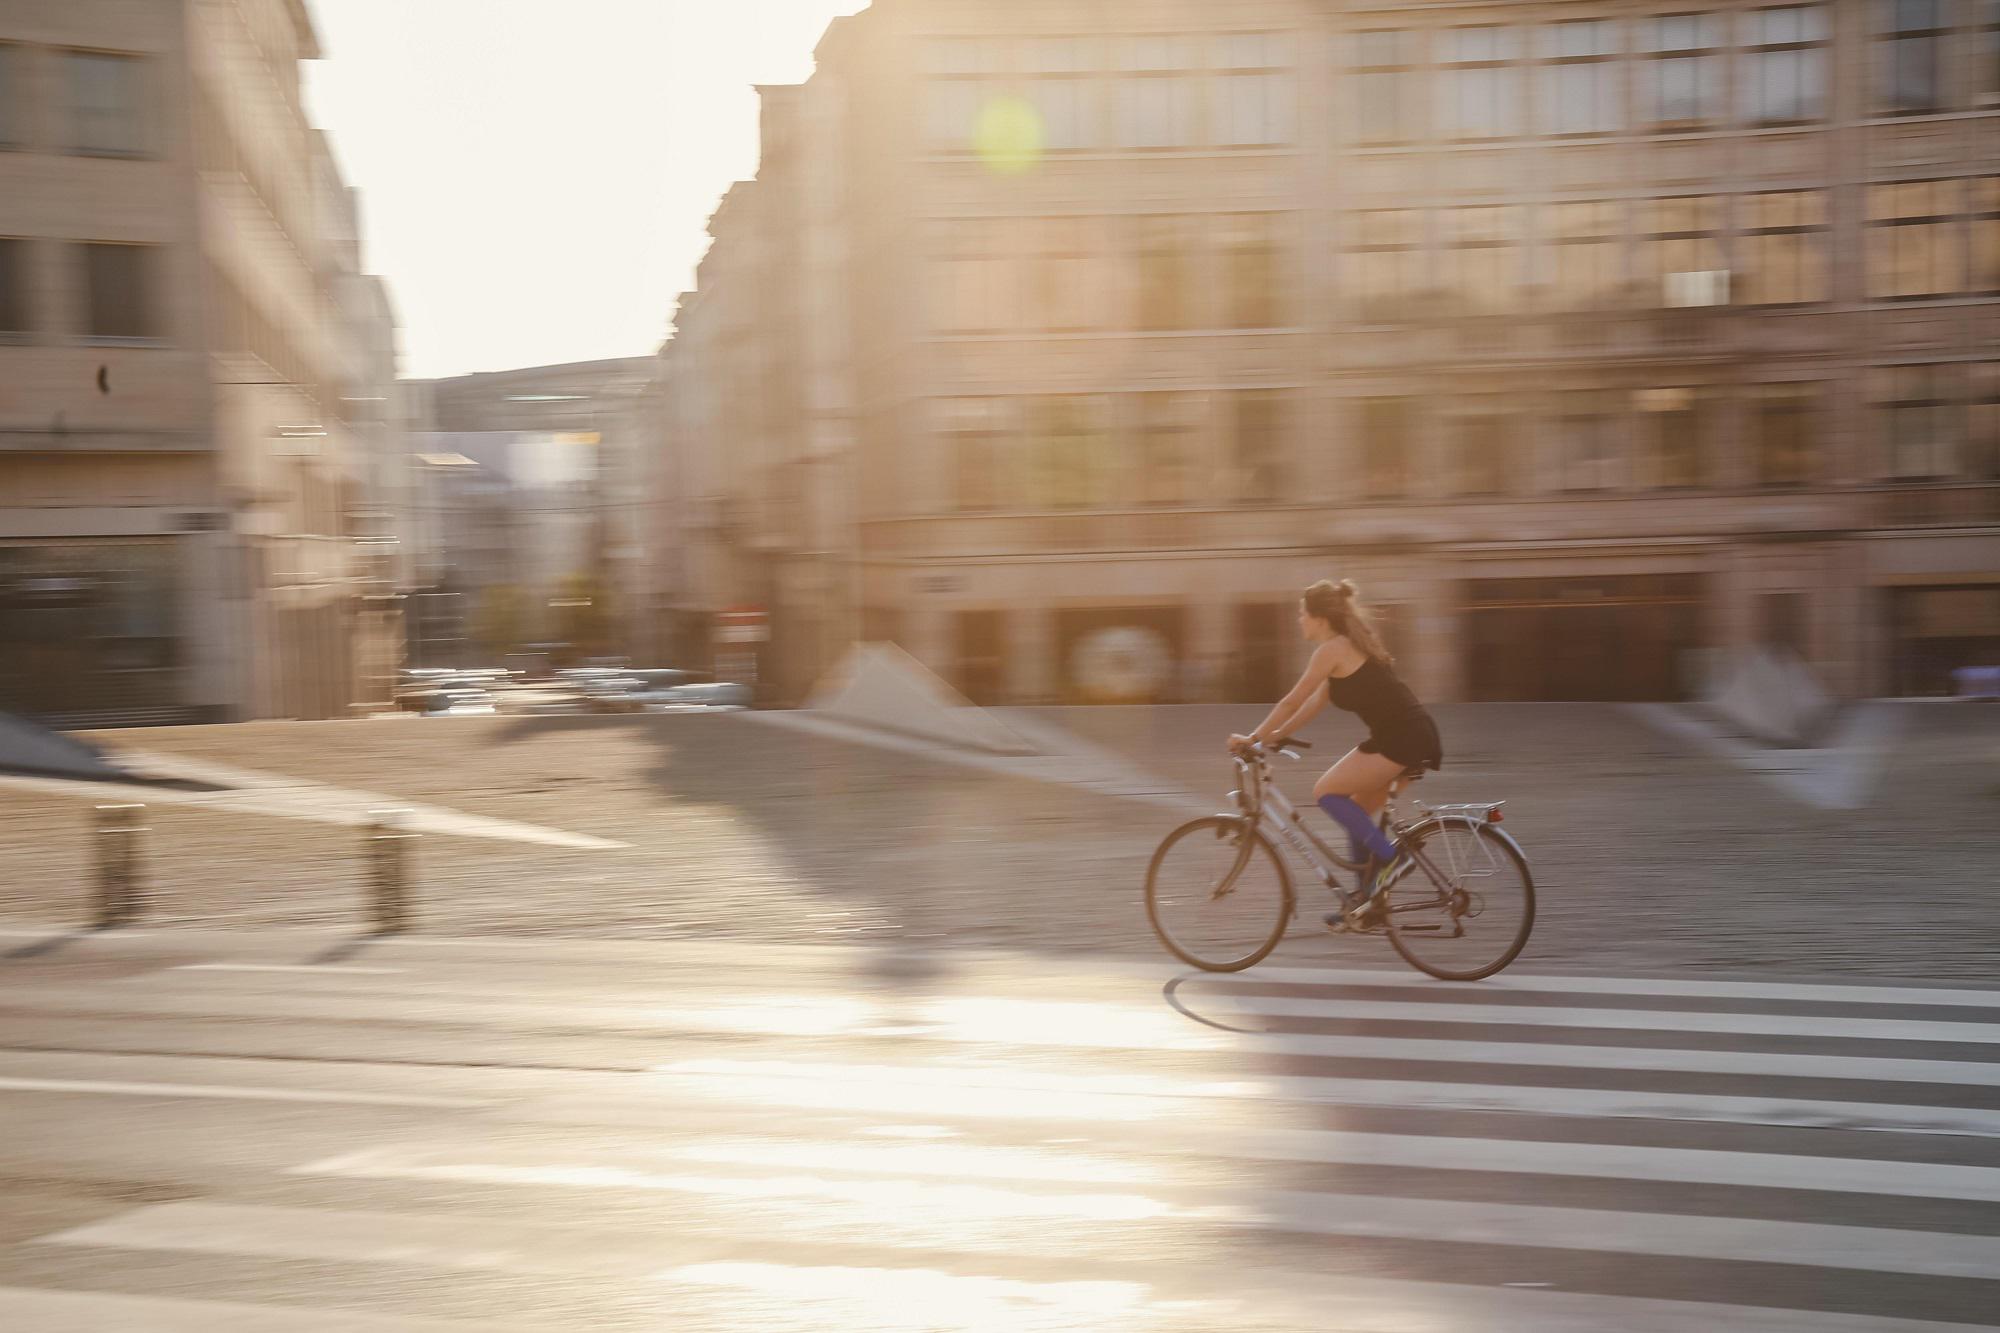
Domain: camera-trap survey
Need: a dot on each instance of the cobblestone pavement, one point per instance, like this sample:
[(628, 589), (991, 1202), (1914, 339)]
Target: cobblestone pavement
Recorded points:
[(1649, 853)]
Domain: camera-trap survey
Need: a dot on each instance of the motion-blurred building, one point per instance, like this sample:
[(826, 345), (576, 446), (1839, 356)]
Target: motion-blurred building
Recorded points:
[(199, 452), (530, 490), (1064, 343)]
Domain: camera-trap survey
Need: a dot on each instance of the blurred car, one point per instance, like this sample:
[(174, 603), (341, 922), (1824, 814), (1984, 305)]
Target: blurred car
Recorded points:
[(661, 689), (437, 692)]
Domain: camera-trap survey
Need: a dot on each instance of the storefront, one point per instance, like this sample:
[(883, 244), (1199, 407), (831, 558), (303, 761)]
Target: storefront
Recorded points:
[(1935, 630), (91, 629), (1617, 637)]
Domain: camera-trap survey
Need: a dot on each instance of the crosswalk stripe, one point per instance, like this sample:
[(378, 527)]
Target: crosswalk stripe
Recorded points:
[(456, 1241), (1093, 1155), (42, 1310), (1726, 1239), (1632, 1020), (214, 1092), (1718, 988), (1006, 1094), (1661, 1059)]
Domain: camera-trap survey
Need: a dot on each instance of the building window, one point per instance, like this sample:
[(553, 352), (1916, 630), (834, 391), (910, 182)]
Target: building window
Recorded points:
[(120, 285), (1064, 294), (1383, 76), (1251, 283), (1671, 425), (1586, 441), (1986, 55), (951, 106), (1258, 446), (1584, 240), (1255, 94), (1782, 431), (106, 108), (1481, 449), (1784, 65), (1984, 207), (1982, 422), (1781, 248), (1578, 86), (1920, 427), (13, 130), (1680, 76), (13, 287), (1482, 257), (976, 437), (1912, 240), (1782, 617), (1910, 46), (1383, 261), (1678, 236), (976, 285), (1069, 452), (1386, 440), (1168, 426), (1479, 86), (1157, 95), (1166, 291), (1065, 97)]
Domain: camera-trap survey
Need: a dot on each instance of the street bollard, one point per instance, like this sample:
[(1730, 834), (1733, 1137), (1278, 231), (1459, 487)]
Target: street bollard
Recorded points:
[(388, 841), (120, 889)]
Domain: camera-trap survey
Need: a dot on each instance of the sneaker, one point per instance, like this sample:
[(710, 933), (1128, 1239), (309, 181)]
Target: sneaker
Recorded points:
[(1357, 914)]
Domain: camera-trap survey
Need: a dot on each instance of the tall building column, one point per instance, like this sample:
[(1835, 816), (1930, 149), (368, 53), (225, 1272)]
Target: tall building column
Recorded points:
[(1031, 657), (1211, 639)]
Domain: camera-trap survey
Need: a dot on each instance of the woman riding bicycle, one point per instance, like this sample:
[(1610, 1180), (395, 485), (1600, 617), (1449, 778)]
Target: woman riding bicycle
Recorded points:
[(1358, 674)]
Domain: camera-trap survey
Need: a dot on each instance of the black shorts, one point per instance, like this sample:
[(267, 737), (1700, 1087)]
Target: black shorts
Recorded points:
[(1412, 742)]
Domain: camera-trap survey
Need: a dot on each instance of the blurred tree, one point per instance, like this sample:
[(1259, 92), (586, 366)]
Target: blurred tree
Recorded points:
[(500, 621), (583, 614)]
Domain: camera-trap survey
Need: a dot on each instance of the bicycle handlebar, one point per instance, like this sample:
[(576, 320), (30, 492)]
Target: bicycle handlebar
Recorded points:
[(1289, 746)]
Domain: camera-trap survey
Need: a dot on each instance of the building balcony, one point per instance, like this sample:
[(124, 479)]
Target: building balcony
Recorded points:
[(973, 536), (1586, 517), (1593, 516)]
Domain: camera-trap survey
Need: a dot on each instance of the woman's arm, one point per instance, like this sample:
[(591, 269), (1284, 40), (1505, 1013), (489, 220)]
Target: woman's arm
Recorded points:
[(1307, 711), (1303, 700)]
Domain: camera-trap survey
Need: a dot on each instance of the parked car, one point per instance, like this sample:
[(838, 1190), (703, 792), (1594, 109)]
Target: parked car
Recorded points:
[(437, 692), (664, 688)]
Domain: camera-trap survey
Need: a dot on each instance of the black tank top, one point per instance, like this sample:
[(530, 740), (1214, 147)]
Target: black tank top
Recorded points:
[(1376, 695)]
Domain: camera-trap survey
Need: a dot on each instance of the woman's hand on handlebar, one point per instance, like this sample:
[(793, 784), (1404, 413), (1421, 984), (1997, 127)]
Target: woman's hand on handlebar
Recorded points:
[(1239, 744)]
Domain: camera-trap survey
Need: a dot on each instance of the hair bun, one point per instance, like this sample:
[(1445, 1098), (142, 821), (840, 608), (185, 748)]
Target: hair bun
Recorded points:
[(1346, 589)]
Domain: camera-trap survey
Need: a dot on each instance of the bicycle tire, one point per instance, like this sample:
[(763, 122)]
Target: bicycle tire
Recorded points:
[(1251, 843), (1404, 936)]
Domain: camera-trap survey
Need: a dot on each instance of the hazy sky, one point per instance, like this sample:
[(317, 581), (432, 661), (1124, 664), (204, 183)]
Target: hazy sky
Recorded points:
[(535, 174)]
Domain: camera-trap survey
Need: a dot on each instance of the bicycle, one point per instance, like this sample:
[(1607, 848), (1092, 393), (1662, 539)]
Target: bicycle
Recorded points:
[(1459, 866)]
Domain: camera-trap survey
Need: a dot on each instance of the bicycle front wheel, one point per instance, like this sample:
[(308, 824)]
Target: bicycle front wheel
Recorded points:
[(1217, 894), (1461, 907)]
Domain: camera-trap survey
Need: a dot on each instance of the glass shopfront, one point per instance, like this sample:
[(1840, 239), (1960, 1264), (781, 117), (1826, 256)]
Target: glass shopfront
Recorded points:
[(90, 627)]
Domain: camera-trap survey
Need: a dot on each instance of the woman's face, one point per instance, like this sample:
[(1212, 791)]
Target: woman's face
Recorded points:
[(1312, 628)]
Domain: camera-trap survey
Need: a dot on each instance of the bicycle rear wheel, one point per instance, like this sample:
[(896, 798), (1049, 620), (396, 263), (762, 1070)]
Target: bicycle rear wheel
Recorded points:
[(1461, 907), (1217, 894)]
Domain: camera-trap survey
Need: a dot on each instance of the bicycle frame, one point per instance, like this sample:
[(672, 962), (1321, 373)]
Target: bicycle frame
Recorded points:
[(1274, 815)]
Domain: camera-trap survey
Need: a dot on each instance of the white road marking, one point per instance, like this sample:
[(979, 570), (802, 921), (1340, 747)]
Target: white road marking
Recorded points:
[(1726, 1239), (94, 1088), (310, 969)]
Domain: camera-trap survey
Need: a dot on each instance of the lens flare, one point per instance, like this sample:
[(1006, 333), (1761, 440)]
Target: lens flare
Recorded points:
[(1008, 135)]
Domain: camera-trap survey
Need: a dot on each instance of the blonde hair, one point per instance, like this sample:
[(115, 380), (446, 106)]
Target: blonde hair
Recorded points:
[(1339, 605)]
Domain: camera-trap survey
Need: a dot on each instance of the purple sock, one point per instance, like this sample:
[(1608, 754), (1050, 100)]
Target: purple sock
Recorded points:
[(1361, 830)]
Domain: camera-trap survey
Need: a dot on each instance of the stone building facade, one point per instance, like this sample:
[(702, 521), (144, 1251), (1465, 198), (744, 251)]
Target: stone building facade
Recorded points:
[(195, 374), (1586, 337)]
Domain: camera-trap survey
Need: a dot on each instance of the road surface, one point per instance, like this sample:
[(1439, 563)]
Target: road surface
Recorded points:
[(295, 1132)]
